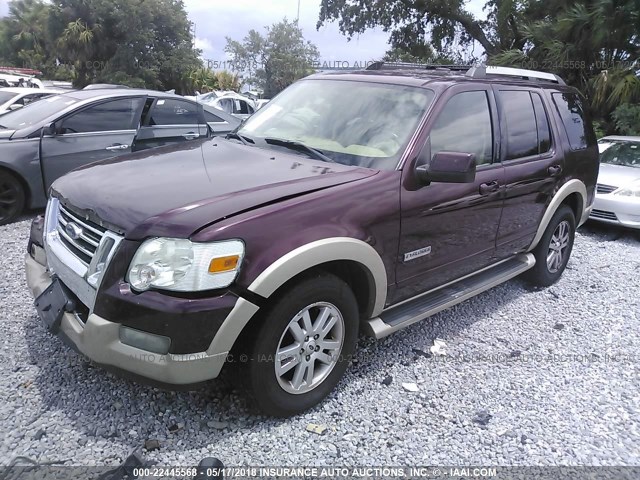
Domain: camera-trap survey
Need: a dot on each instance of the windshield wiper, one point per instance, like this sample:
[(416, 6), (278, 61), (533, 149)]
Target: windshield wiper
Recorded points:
[(299, 147), (237, 136)]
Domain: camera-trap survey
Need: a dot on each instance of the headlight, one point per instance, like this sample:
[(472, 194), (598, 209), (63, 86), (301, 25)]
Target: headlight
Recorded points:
[(181, 265), (631, 190)]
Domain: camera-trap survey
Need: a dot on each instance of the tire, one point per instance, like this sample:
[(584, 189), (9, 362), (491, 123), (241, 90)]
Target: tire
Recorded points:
[(12, 197), (554, 250), (295, 389)]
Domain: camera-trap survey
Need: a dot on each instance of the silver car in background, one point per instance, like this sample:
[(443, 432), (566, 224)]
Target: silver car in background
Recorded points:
[(618, 190)]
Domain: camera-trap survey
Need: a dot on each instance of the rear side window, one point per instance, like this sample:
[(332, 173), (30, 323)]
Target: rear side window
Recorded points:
[(465, 126), (104, 117), (572, 113), (168, 111), (520, 121), (544, 131)]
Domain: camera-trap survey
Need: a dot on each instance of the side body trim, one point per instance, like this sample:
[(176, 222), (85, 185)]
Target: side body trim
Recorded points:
[(572, 186), (323, 251)]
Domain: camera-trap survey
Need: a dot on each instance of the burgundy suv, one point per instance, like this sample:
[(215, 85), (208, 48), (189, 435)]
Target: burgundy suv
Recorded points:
[(371, 199)]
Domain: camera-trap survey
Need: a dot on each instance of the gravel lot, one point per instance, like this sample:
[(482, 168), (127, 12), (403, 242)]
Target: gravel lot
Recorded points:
[(530, 378)]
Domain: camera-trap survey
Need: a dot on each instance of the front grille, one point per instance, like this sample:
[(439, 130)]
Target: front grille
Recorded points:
[(605, 189), (85, 245), (603, 215)]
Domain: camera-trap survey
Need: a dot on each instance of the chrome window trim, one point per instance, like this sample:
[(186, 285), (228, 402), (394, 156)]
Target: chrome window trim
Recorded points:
[(164, 127), (92, 134)]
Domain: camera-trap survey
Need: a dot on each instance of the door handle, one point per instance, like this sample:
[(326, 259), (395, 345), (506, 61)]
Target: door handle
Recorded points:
[(490, 187), (554, 170), (191, 136), (117, 147)]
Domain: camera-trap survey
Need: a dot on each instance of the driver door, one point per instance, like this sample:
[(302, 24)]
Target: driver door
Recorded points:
[(101, 130), (449, 230)]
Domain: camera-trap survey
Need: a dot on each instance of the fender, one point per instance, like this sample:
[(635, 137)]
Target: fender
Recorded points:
[(293, 263), (322, 251), (572, 186)]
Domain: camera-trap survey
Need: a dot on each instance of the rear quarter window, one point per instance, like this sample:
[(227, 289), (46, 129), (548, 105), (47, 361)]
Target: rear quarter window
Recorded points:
[(572, 112)]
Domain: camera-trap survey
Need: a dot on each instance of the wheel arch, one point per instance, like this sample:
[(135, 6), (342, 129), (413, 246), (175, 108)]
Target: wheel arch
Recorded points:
[(352, 260), (335, 255), (574, 194), (25, 185)]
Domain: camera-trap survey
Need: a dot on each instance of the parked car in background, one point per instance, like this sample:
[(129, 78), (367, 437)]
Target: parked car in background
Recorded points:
[(262, 102), (14, 98), (353, 200), (40, 143), (231, 102), (618, 191)]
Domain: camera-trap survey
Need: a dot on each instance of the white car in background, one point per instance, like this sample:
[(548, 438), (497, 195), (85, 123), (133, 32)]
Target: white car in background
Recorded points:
[(618, 190), (14, 98), (231, 102)]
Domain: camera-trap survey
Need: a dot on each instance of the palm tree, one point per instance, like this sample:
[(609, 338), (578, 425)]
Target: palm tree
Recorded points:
[(593, 44)]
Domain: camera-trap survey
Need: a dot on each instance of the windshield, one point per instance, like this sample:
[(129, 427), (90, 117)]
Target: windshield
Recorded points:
[(353, 123), (36, 113), (6, 96), (626, 154)]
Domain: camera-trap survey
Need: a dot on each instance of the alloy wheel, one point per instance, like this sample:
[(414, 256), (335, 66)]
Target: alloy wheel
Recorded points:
[(558, 246), (309, 348)]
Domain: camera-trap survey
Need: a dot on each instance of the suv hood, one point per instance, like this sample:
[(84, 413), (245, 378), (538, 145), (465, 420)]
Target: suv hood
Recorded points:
[(175, 191)]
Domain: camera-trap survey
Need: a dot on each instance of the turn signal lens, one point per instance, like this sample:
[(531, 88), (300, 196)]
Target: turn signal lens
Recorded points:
[(224, 264)]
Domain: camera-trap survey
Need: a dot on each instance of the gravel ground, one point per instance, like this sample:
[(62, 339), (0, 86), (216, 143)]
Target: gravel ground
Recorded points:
[(543, 377)]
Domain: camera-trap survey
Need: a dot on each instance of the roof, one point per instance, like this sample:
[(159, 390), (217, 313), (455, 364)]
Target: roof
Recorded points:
[(18, 90), (115, 93), (424, 77)]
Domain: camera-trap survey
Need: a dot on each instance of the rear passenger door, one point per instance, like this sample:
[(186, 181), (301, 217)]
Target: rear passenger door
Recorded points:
[(533, 165), (169, 121)]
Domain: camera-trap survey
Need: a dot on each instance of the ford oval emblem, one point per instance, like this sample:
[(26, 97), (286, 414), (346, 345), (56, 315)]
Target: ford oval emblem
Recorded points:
[(73, 230)]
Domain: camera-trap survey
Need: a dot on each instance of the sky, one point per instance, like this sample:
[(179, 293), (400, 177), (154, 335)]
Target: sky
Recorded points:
[(217, 19)]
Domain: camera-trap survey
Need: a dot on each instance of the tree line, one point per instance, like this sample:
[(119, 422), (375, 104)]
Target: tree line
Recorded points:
[(593, 44)]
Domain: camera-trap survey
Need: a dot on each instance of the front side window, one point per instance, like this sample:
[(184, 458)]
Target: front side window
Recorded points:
[(465, 126), (108, 116), (169, 111), (355, 123), (572, 112)]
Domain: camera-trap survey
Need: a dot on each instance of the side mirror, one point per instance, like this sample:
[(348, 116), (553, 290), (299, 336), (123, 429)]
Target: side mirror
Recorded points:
[(448, 167), (49, 130), (15, 106)]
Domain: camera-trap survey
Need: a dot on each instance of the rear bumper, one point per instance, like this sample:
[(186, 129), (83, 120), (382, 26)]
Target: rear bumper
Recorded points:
[(616, 211), (99, 340)]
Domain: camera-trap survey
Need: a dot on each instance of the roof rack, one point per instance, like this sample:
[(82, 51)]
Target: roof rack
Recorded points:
[(416, 66), (471, 72), (483, 71)]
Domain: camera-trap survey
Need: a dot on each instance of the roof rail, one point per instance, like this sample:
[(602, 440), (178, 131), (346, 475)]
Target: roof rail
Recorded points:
[(416, 66), (483, 71)]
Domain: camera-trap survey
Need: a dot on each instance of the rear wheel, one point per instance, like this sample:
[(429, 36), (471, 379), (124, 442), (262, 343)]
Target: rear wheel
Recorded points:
[(555, 247), (12, 197), (303, 346)]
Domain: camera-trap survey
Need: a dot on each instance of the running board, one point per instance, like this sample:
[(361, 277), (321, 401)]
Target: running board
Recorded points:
[(430, 303)]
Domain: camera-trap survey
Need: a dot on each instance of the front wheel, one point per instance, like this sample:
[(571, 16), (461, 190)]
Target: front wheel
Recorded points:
[(12, 197), (555, 247), (303, 346)]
